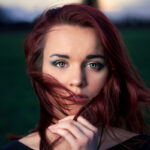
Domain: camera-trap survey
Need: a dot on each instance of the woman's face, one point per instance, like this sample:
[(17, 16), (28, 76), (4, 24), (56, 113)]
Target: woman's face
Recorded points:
[(74, 57)]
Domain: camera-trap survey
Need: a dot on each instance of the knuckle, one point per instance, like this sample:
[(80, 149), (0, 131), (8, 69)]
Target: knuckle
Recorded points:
[(79, 118), (65, 133), (70, 124)]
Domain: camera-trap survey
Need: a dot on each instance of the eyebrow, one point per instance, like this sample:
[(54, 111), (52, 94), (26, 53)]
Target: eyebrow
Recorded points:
[(94, 56), (87, 57), (60, 55)]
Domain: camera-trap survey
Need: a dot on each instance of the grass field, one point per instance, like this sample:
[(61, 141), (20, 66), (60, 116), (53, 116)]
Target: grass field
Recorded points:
[(19, 108)]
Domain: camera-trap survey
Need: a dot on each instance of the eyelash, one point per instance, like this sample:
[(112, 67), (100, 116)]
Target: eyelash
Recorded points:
[(98, 66), (55, 63)]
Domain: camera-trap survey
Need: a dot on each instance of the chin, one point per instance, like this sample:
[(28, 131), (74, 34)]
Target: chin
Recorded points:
[(74, 110)]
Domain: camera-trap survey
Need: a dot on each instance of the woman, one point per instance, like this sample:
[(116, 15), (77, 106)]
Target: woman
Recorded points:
[(88, 90)]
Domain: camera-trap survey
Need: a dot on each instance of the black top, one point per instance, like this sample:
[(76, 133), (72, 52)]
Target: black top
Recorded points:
[(15, 145), (130, 144)]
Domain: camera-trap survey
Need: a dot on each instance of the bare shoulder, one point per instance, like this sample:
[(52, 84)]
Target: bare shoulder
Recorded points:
[(32, 141)]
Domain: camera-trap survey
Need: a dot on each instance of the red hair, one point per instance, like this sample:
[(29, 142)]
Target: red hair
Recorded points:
[(118, 103)]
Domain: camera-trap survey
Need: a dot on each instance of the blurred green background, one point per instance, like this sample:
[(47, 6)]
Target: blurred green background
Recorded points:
[(19, 107)]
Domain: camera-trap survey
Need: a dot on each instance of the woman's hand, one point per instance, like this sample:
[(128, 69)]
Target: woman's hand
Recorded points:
[(80, 134)]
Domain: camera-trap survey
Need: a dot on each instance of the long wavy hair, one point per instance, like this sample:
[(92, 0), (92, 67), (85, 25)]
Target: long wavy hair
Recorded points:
[(119, 102)]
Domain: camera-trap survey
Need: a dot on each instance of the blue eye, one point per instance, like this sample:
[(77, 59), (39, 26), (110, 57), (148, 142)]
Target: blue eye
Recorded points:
[(58, 63), (96, 66)]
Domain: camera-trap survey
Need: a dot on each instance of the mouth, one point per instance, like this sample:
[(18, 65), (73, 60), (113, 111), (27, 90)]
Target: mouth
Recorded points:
[(80, 98)]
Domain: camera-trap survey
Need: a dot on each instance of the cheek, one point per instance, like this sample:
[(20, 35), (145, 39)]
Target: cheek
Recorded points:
[(53, 72), (97, 82)]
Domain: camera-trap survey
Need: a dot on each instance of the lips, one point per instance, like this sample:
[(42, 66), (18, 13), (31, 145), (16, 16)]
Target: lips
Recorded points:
[(78, 98)]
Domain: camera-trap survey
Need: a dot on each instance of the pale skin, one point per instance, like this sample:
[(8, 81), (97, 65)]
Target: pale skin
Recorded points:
[(73, 55)]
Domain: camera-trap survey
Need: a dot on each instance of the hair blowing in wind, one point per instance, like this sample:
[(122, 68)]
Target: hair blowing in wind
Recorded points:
[(119, 102)]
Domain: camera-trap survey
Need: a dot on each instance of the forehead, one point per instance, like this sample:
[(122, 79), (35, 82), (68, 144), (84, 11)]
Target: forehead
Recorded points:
[(72, 40)]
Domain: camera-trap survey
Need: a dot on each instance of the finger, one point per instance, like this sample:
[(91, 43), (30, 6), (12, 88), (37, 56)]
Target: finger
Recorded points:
[(67, 118), (81, 132), (66, 135), (82, 121), (72, 128), (88, 132), (86, 123)]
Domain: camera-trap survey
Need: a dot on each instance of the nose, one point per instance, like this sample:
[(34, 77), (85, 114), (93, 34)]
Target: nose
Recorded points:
[(78, 78)]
